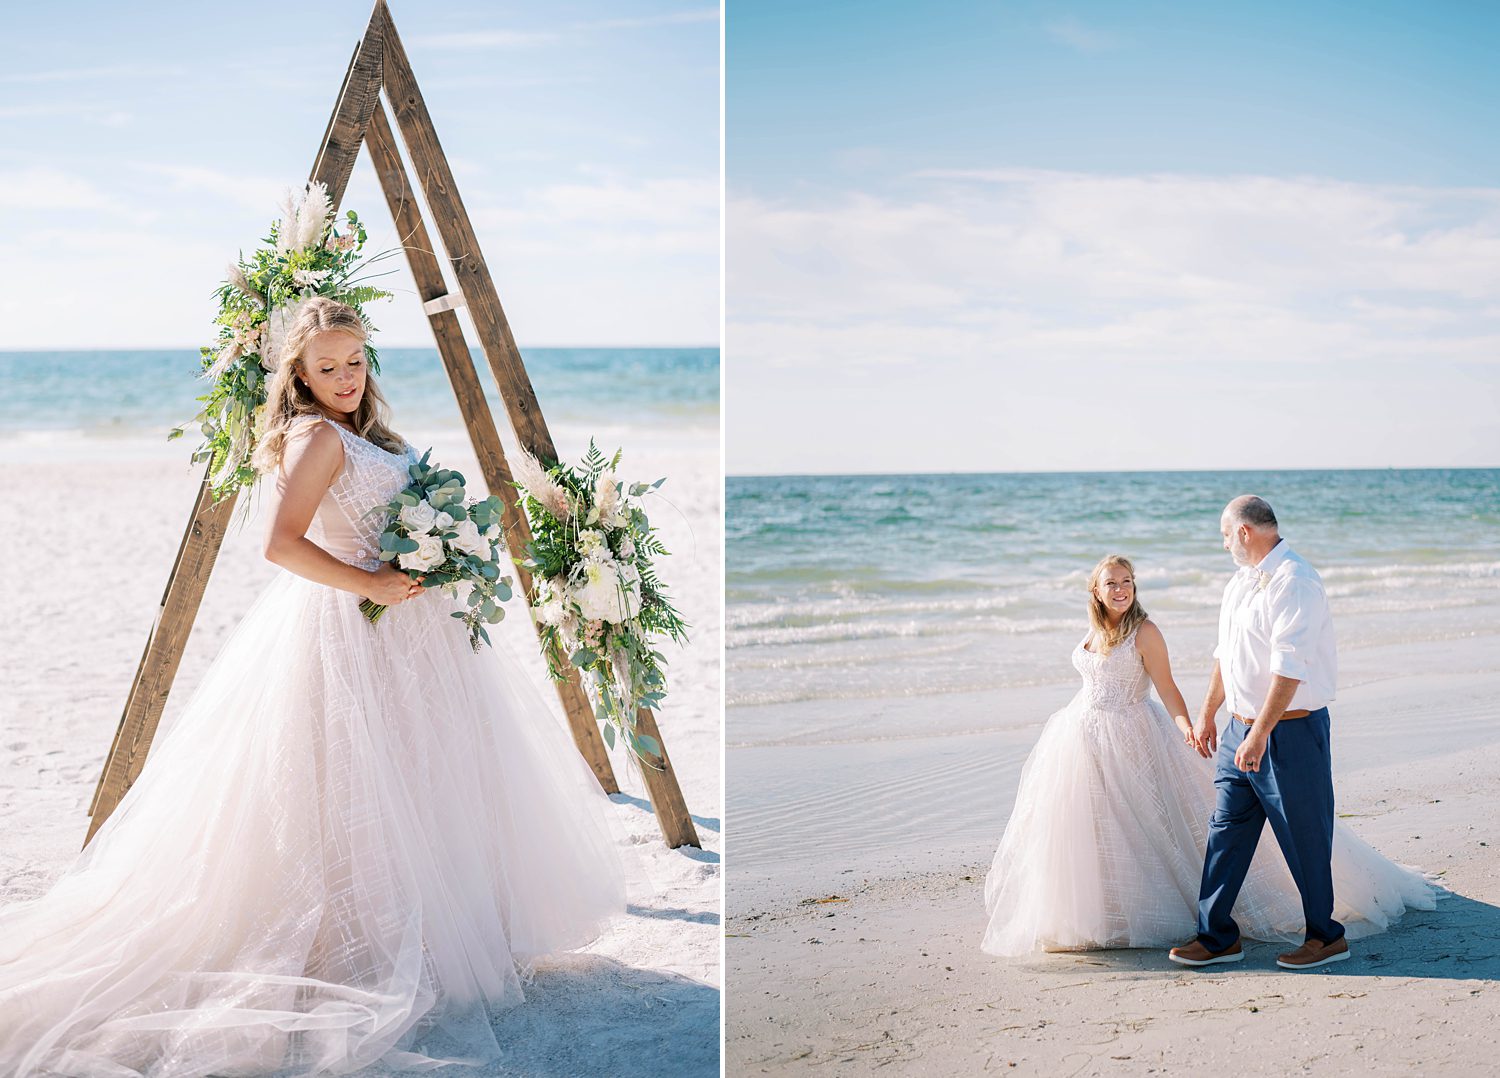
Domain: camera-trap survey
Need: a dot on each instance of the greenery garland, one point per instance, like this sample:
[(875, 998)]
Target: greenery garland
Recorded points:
[(304, 256)]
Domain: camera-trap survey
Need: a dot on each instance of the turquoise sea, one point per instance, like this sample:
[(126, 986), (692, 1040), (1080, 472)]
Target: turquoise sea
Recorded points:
[(131, 392), (847, 591)]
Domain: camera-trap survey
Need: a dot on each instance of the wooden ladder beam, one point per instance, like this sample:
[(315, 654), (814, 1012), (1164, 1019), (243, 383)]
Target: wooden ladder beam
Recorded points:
[(479, 420), (478, 287), (358, 96)]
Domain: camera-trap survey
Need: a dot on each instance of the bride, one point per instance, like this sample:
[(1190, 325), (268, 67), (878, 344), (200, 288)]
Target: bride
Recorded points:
[(1105, 845), (346, 850)]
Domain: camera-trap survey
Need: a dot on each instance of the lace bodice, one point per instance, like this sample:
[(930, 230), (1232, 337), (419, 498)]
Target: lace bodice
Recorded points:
[(1116, 680), (343, 524)]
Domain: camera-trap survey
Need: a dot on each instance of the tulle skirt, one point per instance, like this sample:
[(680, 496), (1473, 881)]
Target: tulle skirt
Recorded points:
[(1105, 847), (342, 854)]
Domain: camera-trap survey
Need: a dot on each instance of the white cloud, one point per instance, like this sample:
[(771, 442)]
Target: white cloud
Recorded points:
[(42, 188), (485, 39), (609, 263), (102, 114), (526, 39), (973, 322), (1053, 266), (672, 18), (88, 74), (252, 192), (667, 215)]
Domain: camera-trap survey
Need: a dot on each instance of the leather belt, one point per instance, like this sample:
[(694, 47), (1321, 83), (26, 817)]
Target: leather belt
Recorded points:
[(1302, 713)]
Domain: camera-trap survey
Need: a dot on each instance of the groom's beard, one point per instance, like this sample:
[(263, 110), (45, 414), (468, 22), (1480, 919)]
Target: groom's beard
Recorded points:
[(1240, 553)]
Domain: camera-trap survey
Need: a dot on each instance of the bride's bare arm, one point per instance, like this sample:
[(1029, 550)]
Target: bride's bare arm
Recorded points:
[(1153, 648), (310, 465)]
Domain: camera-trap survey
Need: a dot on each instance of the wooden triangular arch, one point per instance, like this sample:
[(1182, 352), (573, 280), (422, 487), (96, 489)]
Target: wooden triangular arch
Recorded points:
[(359, 117)]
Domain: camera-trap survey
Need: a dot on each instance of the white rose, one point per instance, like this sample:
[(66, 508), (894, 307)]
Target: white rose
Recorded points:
[(442, 522), (469, 541), (419, 519), (603, 595), (428, 555), (492, 533), (553, 610)]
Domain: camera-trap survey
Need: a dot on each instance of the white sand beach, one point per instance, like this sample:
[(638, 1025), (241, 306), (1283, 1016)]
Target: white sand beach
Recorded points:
[(642, 1000), (856, 903)]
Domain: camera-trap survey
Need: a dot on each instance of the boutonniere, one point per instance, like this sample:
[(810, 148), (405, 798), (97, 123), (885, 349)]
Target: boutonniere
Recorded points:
[(1262, 580)]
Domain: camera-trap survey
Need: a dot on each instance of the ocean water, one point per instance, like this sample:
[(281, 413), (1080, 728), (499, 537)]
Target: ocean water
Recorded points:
[(112, 393), (863, 607)]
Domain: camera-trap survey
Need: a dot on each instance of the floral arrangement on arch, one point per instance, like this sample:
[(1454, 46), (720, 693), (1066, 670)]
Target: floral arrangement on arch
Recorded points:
[(304, 256), (597, 599)]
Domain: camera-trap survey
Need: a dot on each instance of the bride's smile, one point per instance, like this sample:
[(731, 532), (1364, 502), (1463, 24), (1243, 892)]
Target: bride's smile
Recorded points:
[(1117, 592), (333, 370)]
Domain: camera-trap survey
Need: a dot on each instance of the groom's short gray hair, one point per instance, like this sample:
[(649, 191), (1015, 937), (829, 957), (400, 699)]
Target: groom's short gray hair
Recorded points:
[(1253, 510)]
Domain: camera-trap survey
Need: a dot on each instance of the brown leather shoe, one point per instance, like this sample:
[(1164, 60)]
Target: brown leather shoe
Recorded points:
[(1196, 954), (1315, 953)]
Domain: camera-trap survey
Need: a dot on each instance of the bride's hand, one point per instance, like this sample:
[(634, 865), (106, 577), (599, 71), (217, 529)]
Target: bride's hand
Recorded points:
[(1186, 729), (389, 586)]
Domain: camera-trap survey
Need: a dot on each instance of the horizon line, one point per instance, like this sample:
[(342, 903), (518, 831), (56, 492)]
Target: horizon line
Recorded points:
[(1111, 471), (432, 347)]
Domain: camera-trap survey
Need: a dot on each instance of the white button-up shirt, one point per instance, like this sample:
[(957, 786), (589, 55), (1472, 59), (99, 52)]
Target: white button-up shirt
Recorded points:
[(1275, 620)]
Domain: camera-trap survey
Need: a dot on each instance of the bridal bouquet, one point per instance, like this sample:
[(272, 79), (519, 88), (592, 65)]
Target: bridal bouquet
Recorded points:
[(434, 531), (304, 256), (595, 592)]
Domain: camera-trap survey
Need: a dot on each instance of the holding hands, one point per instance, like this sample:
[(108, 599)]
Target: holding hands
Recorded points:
[(1204, 735)]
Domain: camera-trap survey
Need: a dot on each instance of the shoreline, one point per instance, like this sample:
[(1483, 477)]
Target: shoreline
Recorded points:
[(868, 805)]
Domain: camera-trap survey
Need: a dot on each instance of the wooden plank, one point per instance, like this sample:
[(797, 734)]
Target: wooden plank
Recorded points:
[(164, 647), (469, 269), (480, 422), (478, 287), (358, 96), (667, 802), (351, 112)]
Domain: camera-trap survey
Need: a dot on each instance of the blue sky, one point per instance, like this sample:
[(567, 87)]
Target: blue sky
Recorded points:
[(142, 145), (1040, 236)]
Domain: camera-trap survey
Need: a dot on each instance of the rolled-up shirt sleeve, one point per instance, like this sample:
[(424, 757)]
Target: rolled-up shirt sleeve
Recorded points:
[(1298, 611)]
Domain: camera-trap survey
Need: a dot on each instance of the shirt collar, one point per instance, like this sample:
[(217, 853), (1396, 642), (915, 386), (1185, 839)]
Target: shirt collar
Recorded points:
[(1274, 557)]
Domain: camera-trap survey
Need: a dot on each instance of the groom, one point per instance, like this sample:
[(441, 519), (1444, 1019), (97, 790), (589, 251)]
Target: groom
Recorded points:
[(1275, 668)]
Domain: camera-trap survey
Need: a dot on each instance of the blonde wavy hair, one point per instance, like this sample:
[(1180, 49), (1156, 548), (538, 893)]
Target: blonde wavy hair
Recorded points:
[(288, 399), (1111, 637)]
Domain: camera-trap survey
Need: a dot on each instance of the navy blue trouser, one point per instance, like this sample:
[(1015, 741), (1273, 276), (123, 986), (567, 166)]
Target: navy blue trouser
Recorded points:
[(1294, 791)]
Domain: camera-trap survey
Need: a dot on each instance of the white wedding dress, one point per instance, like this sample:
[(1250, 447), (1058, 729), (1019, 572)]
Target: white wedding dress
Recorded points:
[(1105, 845), (341, 856)]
